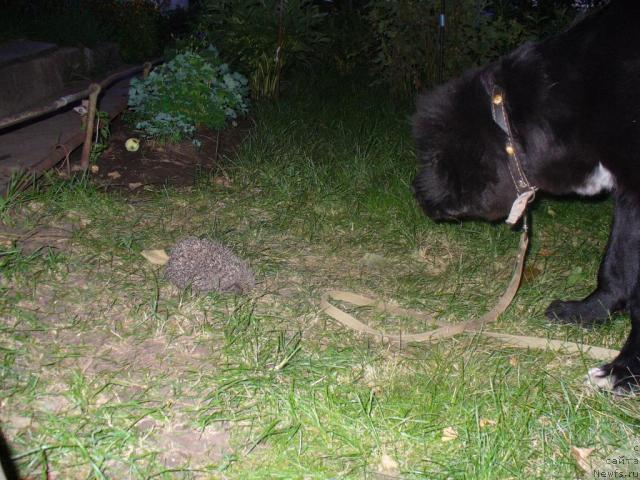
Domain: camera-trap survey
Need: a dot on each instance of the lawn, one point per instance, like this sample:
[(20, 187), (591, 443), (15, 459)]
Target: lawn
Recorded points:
[(108, 371)]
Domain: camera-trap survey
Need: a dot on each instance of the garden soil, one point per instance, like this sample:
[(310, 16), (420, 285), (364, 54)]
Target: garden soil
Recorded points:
[(155, 164)]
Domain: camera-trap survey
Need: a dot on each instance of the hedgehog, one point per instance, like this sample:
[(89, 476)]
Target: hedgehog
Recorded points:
[(207, 266)]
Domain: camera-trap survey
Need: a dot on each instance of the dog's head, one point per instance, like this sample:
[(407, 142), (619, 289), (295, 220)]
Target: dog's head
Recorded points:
[(464, 171)]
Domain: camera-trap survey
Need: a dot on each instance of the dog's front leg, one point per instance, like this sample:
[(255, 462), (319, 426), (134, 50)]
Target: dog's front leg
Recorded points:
[(622, 375), (618, 272)]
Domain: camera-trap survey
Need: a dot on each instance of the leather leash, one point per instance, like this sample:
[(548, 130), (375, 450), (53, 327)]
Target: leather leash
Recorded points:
[(448, 330)]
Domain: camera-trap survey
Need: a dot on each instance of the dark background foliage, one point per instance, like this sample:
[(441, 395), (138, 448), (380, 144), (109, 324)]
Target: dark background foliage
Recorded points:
[(392, 43), (137, 26)]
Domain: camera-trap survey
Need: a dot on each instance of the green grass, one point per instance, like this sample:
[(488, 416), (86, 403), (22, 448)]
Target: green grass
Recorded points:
[(109, 372)]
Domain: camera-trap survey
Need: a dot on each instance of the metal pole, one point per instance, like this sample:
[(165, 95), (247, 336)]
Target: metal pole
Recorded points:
[(279, 46), (441, 28)]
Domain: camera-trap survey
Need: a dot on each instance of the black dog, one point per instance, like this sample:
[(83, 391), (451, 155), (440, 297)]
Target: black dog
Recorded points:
[(560, 116)]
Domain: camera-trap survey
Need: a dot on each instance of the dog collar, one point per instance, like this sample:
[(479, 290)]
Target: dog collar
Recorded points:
[(526, 192)]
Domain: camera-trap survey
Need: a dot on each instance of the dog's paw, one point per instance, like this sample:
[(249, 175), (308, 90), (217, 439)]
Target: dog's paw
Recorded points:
[(582, 313), (617, 379), (600, 378)]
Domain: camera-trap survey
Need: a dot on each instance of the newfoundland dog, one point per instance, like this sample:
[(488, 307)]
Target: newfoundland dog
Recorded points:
[(560, 116)]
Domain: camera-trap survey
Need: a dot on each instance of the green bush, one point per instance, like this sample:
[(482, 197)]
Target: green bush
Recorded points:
[(265, 37), (403, 42), (191, 90), (348, 29), (141, 28)]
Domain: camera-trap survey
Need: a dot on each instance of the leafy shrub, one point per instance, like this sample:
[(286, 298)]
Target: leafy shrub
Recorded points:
[(403, 42), (141, 29), (348, 30), (191, 90), (265, 37)]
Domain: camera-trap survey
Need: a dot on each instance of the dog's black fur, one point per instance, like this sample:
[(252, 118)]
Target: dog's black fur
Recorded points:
[(574, 104)]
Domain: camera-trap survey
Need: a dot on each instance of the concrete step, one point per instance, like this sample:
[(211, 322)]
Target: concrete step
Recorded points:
[(31, 72)]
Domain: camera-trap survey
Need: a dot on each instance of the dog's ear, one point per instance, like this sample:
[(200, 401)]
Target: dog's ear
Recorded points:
[(513, 71)]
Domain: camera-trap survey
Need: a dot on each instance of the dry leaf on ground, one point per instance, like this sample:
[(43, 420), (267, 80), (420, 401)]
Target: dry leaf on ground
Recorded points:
[(156, 257), (388, 466), (222, 181), (487, 422), (449, 434), (581, 456)]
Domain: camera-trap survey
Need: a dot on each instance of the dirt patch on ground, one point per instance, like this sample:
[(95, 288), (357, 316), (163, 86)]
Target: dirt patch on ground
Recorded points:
[(37, 238), (156, 164), (182, 444)]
